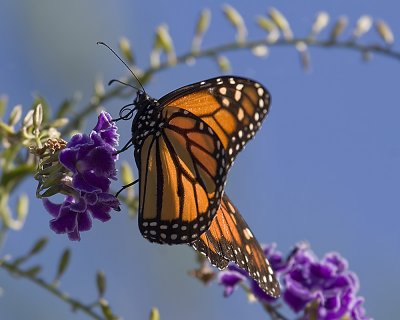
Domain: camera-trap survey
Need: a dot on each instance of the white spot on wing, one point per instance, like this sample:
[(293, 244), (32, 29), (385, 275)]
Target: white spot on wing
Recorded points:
[(238, 95), (225, 102), (240, 114), (247, 233)]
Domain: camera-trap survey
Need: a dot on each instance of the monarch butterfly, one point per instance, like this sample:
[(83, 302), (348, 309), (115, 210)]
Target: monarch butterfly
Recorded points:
[(184, 146), (185, 143)]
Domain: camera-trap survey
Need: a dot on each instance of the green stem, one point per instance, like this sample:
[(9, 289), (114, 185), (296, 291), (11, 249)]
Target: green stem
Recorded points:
[(270, 309), (215, 51), (3, 234), (75, 304)]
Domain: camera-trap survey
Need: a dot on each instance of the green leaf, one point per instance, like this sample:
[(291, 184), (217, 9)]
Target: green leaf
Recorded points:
[(126, 50), (107, 312), (204, 22), (49, 192), (101, 283), (164, 42), (126, 173), (22, 207), (15, 115), (33, 271), (3, 105), (237, 21), (59, 123), (38, 246), (45, 107), (11, 178), (133, 206), (223, 64), (201, 27), (63, 264), (38, 116), (163, 39), (146, 77), (65, 108), (19, 260), (154, 314)]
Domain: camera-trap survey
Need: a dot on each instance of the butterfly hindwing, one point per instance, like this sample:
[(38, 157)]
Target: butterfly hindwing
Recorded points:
[(182, 172), (229, 239)]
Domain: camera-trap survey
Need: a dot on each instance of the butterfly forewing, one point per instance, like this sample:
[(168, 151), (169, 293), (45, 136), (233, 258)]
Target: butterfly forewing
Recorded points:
[(233, 107), (230, 239), (182, 176)]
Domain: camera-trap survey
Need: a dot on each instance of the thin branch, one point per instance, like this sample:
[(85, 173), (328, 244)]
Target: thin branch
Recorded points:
[(269, 308), (273, 312), (217, 50), (74, 303)]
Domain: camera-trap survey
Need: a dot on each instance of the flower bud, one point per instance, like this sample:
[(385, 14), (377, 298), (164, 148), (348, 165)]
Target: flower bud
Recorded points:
[(279, 19), (384, 31), (364, 23)]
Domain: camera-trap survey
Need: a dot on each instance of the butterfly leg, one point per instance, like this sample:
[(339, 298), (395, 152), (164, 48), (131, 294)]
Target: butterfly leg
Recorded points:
[(126, 186), (124, 148)]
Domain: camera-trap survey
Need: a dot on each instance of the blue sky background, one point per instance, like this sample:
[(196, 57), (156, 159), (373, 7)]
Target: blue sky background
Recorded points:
[(324, 167)]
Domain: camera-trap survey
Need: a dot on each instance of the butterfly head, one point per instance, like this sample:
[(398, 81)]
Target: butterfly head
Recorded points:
[(147, 117)]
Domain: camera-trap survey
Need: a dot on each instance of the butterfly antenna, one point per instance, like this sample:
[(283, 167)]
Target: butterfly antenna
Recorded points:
[(121, 82), (109, 48)]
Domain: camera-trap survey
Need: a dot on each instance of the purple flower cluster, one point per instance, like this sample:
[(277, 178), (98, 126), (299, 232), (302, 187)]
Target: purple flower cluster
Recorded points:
[(90, 161), (323, 288)]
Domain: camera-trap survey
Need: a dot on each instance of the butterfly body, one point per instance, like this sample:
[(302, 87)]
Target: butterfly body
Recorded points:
[(147, 119)]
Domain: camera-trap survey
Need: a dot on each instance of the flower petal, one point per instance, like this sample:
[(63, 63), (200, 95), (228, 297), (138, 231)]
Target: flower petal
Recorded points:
[(52, 208)]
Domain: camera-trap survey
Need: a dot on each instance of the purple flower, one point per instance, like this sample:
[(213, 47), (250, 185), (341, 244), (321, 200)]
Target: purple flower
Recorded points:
[(325, 288), (90, 161), (278, 262), (230, 279), (106, 130), (357, 311)]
